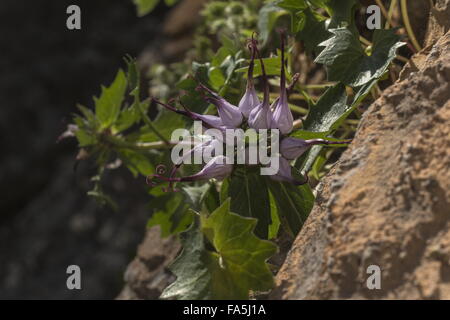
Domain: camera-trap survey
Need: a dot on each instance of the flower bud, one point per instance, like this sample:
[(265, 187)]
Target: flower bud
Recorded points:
[(250, 99), (261, 116), (230, 115), (282, 118)]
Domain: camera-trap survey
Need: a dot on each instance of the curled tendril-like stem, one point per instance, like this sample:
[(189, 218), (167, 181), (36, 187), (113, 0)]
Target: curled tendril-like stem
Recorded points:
[(160, 171)]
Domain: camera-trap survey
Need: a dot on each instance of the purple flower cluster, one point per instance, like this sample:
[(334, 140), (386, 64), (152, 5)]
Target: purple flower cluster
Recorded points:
[(255, 114)]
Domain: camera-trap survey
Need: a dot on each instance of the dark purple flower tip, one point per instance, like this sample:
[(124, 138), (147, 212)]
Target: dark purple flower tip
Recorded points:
[(285, 174), (208, 121), (282, 116), (292, 148), (250, 99), (261, 116)]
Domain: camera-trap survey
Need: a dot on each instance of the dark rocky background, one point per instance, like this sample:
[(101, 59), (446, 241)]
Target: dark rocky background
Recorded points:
[(46, 220)]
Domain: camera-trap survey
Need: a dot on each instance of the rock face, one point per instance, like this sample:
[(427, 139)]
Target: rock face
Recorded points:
[(386, 202), (147, 275)]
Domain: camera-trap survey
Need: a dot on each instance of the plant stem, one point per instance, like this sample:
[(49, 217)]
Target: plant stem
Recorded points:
[(392, 8), (409, 30), (149, 123), (139, 146), (383, 9)]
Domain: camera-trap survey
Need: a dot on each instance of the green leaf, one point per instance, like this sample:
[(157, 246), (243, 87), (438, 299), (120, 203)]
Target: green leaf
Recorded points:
[(136, 162), (293, 4), (172, 213), (328, 114), (311, 30), (268, 16), (294, 204), (322, 117), (165, 123), (272, 66), (145, 6), (250, 197), (216, 78), (347, 62), (196, 195), (84, 138), (342, 13), (275, 225), (331, 105), (242, 255), (236, 266), (191, 269), (107, 106)]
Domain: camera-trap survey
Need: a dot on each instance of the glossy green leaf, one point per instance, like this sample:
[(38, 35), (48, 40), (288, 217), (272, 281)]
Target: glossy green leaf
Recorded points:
[(250, 197), (294, 204)]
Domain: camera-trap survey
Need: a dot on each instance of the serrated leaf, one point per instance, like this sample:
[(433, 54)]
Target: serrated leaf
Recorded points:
[(241, 253), (250, 198), (191, 269), (294, 204), (237, 265), (328, 114), (107, 106), (347, 62), (311, 30)]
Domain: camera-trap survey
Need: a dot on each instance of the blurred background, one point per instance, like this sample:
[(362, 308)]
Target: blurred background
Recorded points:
[(46, 220)]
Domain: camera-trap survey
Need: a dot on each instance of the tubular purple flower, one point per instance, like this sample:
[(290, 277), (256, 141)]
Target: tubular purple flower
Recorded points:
[(217, 168), (208, 120), (250, 99), (261, 116), (282, 118), (230, 115), (292, 148), (285, 173)]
